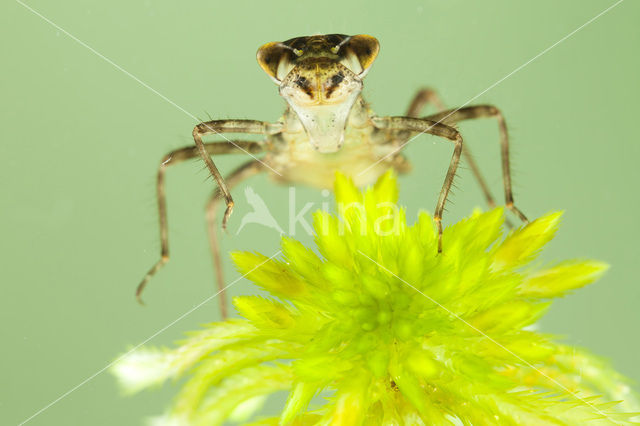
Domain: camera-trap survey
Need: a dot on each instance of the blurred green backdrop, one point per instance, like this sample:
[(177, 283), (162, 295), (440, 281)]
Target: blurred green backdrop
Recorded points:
[(81, 140)]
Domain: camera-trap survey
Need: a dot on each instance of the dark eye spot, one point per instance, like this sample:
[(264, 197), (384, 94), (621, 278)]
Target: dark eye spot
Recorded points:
[(337, 78), (303, 84)]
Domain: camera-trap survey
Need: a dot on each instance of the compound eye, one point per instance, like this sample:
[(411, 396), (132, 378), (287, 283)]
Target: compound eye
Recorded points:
[(359, 52), (276, 60), (366, 48)]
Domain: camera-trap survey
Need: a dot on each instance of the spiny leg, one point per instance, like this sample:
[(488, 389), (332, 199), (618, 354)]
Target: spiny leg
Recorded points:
[(434, 128), (421, 99), (228, 126), (176, 157), (487, 111), (429, 96), (240, 174)]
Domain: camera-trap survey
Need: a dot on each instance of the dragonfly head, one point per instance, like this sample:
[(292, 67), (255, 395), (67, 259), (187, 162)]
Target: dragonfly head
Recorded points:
[(320, 78)]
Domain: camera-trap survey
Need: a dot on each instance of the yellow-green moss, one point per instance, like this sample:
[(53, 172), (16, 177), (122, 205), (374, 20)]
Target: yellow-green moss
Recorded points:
[(397, 333)]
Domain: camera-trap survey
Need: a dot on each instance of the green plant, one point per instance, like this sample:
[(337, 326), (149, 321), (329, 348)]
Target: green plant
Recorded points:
[(393, 331)]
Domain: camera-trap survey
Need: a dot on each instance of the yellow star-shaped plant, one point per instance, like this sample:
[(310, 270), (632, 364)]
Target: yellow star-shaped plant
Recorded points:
[(374, 327)]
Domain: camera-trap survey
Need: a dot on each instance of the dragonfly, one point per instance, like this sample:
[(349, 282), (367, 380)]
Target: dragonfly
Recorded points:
[(327, 127)]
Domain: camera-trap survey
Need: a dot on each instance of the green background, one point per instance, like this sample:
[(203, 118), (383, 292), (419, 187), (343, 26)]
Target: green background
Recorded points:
[(80, 142)]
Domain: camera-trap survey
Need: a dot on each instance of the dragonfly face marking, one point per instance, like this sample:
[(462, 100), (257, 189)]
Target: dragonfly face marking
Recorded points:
[(320, 78)]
